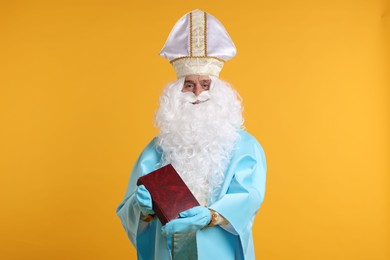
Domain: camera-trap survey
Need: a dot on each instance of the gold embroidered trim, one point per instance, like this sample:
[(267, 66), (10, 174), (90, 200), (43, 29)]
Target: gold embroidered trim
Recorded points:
[(216, 219), (148, 218), (187, 57), (191, 34), (205, 34)]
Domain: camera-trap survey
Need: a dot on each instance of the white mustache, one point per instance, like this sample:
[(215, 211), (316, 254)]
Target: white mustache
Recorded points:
[(191, 97)]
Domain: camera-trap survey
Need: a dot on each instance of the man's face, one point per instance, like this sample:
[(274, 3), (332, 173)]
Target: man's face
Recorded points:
[(196, 84)]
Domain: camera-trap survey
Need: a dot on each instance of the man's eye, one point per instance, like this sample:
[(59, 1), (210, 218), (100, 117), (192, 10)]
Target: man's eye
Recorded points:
[(206, 86), (188, 86)]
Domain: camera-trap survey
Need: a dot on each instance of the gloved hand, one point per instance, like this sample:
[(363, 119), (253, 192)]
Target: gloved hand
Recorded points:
[(144, 200), (191, 219)]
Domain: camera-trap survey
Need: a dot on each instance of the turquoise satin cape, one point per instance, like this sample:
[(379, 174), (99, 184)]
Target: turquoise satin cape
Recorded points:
[(241, 196)]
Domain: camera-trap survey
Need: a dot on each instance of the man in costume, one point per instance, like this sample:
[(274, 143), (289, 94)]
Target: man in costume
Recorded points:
[(201, 135)]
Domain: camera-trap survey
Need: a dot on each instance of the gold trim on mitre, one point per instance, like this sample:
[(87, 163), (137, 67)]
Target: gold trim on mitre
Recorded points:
[(197, 63), (191, 50), (185, 66)]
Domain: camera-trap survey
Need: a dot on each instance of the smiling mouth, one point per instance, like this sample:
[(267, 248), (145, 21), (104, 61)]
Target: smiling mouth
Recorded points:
[(198, 102)]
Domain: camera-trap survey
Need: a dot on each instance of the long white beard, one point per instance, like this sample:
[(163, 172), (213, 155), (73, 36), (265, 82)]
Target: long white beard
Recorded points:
[(198, 139)]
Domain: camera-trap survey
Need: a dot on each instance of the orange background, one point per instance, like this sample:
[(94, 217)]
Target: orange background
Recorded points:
[(80, 81)]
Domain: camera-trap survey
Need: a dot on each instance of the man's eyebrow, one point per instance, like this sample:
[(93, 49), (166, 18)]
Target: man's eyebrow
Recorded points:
[(189, 81), (206, 80), (193, 82)]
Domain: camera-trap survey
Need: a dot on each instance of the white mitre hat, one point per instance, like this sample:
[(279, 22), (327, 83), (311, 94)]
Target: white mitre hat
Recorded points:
[(198, 45)]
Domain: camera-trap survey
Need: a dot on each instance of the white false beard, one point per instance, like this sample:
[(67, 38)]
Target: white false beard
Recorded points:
[(197, 139)]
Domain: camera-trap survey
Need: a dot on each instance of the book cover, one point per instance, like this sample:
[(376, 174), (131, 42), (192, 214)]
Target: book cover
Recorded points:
[(170, 195)]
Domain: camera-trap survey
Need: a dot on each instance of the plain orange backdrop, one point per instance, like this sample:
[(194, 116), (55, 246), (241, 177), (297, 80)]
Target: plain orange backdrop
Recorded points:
[(80, 81)]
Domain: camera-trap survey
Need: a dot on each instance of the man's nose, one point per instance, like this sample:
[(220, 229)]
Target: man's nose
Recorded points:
[(197, 90)]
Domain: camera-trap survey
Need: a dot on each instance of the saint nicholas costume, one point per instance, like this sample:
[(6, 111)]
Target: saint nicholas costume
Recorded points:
[(199, 45)]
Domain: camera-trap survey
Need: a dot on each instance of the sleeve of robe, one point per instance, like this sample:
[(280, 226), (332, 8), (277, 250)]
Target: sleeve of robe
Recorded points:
[(127, 211), (243, 195)]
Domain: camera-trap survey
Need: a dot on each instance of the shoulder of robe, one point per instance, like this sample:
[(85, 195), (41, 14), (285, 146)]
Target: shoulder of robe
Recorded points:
[(151, 151), (247, 138), (248, 143)]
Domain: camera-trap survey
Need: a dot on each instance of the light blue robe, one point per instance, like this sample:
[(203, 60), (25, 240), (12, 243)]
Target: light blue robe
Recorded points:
[(241, 195)]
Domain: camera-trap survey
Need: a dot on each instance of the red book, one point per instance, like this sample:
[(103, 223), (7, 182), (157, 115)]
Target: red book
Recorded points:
[(170, 195)]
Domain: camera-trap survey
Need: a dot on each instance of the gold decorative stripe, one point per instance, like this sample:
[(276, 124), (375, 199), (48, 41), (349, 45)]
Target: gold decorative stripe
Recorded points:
[(205, 34), (186, 57), (191, 34)]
